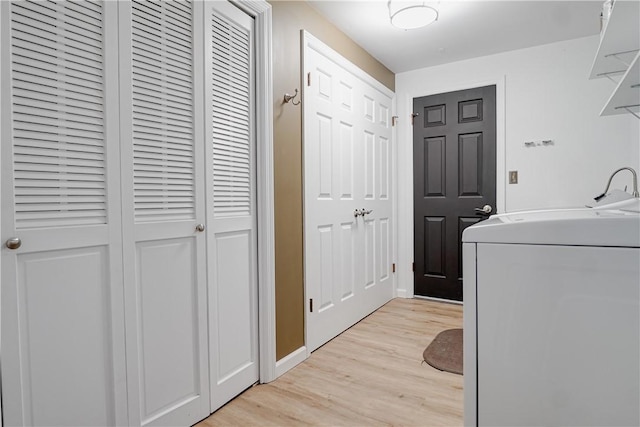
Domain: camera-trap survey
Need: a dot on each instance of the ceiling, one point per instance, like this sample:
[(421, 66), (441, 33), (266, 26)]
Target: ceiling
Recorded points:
[(465, 29)]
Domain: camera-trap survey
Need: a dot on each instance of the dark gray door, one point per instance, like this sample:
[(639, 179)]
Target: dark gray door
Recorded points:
[(454, 163)]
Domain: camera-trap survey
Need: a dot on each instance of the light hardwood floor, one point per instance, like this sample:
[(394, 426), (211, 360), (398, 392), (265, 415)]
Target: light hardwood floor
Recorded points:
[(369, 375)]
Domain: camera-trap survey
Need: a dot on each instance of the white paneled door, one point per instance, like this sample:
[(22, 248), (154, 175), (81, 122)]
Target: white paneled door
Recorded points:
[(231, 201), (161, 72), (348, 203), (129, 251), (63, 353)]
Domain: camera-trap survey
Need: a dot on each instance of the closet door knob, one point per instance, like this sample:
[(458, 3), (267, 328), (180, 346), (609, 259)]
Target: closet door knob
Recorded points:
[(200, 227), (13, 243)]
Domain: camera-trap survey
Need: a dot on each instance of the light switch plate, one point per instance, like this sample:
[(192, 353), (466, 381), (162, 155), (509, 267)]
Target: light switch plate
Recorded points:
[(513, 177)]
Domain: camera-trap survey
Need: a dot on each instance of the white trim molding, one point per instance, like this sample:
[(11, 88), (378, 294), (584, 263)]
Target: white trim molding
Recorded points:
[(404, 144), (261, 12), (291, 360)]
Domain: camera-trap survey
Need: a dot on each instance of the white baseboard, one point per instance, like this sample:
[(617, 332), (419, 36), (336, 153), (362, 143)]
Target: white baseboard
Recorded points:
[(448, 301), (290, 361), (403, 293)]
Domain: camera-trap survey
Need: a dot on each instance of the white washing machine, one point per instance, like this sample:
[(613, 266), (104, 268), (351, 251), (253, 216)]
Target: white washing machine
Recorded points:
[(551, 318)]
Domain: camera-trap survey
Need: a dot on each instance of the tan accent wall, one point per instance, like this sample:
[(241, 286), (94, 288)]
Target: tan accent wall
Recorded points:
[(289, 17)]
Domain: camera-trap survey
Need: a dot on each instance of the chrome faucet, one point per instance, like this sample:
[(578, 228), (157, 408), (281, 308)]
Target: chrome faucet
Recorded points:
[(635, 183)]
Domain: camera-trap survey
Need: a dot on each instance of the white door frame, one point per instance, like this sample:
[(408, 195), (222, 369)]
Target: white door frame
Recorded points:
[(260, 10), (404, 167)]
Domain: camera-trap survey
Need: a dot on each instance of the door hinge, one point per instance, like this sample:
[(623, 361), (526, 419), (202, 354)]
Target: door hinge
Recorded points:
[(393, 267), (413, 116), (311, 305), (309, 79), (394, 120), (413, 266)]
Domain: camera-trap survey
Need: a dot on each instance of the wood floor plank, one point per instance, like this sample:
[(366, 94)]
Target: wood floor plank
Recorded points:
[(372, 374)]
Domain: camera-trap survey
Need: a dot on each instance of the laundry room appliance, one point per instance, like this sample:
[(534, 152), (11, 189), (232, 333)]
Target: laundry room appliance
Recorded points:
[(551, 318)]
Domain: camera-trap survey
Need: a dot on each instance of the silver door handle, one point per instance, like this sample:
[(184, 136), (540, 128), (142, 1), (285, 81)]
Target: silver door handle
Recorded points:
[(486, 209), (362, 212), (200, 227), (13, 243)]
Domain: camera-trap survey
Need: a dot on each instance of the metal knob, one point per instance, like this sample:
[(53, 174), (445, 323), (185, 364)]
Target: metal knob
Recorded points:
[(200, 227), (366, 211), (486, 209), (13, 243)]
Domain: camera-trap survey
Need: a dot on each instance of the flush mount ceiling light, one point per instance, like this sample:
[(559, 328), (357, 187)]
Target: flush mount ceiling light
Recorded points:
[(408, 15)]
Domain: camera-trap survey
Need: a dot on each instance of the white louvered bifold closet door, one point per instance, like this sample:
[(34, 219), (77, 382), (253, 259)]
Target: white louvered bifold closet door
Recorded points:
[(63, 360), (231, 211), (164, 211)]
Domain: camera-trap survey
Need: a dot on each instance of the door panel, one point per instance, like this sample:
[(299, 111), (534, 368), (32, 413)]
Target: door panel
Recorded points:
[(163, 201), (234, 262), (62, 338), (454, 173), (62, 310), (347, 167), (231, 205), (167, 310)]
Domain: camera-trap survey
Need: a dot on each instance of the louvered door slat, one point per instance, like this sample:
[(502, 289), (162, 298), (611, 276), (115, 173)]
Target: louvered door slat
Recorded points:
[(62, 63), (234, 156), (63, 192), (71, 96), (169, 190), (176, 132), (148, 25), (144, 87), (149, 105), (228, 82), (46, 133), (162, 94), (178, 69), (58, 106), (145, 41), (72, 12), (231, 87), (45, 69), (148, 80), (48, 39), (174, 33), (62, 148), (150, 137), (88, 10), (230, 132), (161, 152), (46, 102), (59, 16), (78, 127), (23, 30), (172, 94), (28, 107), (155, 121), (226, 101), (145, 158)]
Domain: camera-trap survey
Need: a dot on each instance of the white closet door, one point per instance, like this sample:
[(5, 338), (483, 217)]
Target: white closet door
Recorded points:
[(163, 208), (62, 331), (347, 161), (231, 207)]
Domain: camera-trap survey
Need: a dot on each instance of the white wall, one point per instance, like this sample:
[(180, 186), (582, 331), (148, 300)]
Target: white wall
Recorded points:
[(543, 93)]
